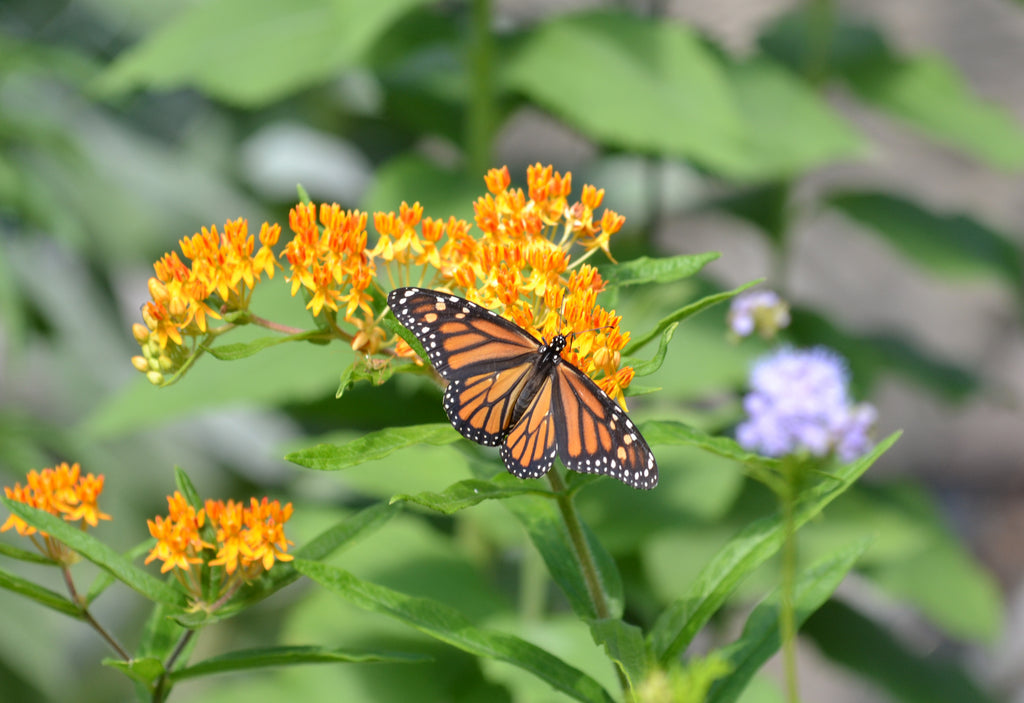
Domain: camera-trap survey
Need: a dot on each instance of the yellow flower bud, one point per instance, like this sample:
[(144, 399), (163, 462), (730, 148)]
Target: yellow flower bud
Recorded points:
[(140, 363), (140, 332), (155, 377)]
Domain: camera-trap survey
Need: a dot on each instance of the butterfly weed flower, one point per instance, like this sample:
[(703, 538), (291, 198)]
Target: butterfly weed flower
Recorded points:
[(523, 256), (222, 272), (799, 402), (244, 540), (761, 311), (62, 491)]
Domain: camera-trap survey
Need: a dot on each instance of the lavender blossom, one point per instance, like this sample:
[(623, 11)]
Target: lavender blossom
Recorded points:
[(799, 401), (762, 311)]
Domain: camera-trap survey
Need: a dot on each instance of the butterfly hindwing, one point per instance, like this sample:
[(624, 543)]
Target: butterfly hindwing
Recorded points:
[(529, 449), (595, 436)]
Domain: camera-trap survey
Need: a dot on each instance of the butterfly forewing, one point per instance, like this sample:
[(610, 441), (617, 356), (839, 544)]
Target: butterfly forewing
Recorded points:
[(497, 370), (460, 337)]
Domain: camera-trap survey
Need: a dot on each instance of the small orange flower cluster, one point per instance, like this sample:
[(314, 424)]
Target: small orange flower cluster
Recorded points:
[(63, 491), (519, 264), (182, 295), (245, 540)]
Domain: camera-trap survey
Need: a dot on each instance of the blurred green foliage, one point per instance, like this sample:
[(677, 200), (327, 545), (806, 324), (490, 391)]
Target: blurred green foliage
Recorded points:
[(125, 126)]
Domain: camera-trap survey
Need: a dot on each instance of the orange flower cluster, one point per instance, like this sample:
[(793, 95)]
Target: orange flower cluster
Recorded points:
[(245, 540), (521, 264), (61, 490), (224, 269)]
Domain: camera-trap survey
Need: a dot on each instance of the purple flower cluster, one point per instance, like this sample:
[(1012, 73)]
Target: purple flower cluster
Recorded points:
[(762, 311), (799, 401)]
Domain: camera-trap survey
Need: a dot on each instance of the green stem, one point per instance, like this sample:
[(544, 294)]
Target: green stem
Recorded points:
[(480, 110), (787, 617), (80, 602), (585, 558)]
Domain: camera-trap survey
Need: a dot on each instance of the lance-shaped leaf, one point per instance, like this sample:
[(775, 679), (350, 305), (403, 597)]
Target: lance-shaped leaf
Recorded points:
[(657, 270), (626, 646), (760, 638), (682, 620), (448, 625), (646, 368), (677, 433), (13, 552), (144, 670), (470, 492), (240, 350), (681, 314), (44, 596), (105, 579), (98, 553), (289, 656), (375, 445)]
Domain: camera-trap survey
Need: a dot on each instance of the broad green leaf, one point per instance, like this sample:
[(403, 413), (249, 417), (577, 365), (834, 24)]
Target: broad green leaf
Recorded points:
[(646, 368), (24, 555), (470, 492), (375, 445), (625, 645), (631, 82), (760, 638), (43, 596), (681, 314), (97, 552), (789, 128), (145, 670), (683, 618), (448, 625), (948, 245), (237, 62), (240, 350), (392, 325), (656, 270), (928, 93), (868, 648), (289, 656)]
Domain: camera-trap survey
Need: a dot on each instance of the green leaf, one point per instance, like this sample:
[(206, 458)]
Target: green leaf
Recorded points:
[(470, 492), (98, 553), (929, 93), (105, 579), (682, 619), (670, 95), (790, 129), (544, 524), (241, 350), (145, 670), (646, 368), (187, 488), (681, 314), (24, 555), (656, 270), (625, 645), (344, 534), (289, 656), (448, 625), (677, 433), (853, 640), (375, 445), (760, 638), (950, 246), (237, 63), (44, 596)]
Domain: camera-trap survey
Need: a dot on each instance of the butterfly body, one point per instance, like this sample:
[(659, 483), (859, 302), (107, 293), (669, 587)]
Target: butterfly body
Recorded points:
[(508, 389)]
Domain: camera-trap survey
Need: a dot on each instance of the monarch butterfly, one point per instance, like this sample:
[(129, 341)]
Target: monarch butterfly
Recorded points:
[(506, 388)]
